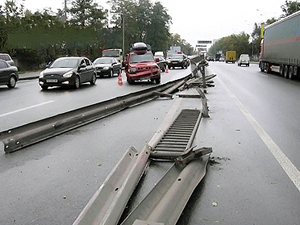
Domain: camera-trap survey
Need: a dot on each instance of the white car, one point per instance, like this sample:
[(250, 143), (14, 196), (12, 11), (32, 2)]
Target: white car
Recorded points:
[(244, 60)]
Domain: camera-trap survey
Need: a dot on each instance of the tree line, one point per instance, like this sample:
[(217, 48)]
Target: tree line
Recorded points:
[(83, 28), (250, 43)]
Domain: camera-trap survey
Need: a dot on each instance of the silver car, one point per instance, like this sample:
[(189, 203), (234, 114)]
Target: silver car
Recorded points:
[(6, 57)]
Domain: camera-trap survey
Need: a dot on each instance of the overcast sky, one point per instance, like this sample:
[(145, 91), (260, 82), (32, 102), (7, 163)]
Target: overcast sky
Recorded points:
[(196, 20)]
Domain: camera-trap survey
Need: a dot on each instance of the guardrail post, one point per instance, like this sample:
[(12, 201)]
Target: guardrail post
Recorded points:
[(201, 66), (204, 102)]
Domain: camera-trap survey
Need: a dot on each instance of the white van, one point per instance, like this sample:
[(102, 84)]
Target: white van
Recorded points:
[(159, 54), (244, 60)]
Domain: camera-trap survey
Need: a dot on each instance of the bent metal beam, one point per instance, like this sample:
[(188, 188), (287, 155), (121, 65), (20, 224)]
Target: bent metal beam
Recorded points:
[(17, 138)]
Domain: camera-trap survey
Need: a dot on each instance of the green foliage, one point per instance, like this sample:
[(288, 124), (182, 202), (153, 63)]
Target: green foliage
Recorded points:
[(290, 7), (239, 43), (87, 13), (38, 37)]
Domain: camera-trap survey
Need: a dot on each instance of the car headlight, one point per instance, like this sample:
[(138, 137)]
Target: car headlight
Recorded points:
[(133, 70), (68, 74), (41, 74)]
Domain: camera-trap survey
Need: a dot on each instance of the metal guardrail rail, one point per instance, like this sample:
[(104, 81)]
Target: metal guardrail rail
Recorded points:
[(166, 201), (109, 202), (170, 194), (17, 138), (179, 136)]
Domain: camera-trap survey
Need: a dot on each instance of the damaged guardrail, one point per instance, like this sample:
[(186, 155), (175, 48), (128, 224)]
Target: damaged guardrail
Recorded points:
[(28, 134), (166, 201)]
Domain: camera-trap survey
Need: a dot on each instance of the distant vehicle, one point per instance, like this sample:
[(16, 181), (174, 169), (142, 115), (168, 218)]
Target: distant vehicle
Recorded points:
[(116, 53), (140, 64), (8, 74), (159, 54), (230, 56), (210, 58), (178, 60), (222, 59), (68, 71), (217, 57), (107, 66), (162, 62), (6, 57), (244, 59), (280, 47), (175, 48)]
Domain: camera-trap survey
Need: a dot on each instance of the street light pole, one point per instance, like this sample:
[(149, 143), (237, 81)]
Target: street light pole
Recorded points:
[(123, 35)]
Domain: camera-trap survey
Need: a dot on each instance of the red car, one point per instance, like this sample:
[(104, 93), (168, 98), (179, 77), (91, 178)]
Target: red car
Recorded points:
[(140, 65)]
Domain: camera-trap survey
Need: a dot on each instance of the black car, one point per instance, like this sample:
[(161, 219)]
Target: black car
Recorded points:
[(107, 66), (178, 60), (8, 74), (68, 71), (162, 63)]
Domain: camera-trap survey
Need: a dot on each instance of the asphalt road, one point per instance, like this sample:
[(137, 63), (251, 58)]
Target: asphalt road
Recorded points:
[(253, 119)]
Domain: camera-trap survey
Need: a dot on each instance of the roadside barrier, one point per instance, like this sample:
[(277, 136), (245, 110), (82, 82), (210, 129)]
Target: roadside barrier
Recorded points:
[(17, 138), (20, 137)]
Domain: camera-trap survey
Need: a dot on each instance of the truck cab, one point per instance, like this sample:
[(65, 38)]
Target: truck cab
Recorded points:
[(140, 65)]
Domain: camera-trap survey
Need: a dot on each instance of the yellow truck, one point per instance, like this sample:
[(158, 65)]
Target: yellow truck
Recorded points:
[(230, 56)]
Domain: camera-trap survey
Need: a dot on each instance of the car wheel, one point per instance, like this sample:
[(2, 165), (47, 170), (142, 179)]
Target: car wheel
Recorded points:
[(291, 73), (130, 81), (286, 72), (93, 80), (12, 82), (111, 74), (157, 80), (77, 82)]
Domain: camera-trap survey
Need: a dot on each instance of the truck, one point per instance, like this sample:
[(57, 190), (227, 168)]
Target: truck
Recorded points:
[(140, 64), (280, 47), (218, 56), (115, 52), (173, 50), (230, 56)]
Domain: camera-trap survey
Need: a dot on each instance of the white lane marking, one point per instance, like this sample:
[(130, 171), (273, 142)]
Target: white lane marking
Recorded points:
[(23, 109), (286, 164)]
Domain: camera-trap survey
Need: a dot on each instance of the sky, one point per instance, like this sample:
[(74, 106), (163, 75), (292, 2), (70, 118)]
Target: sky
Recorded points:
[(196, 20)]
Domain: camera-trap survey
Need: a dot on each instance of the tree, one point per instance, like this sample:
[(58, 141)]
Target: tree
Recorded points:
[(158, 29), (290, 7), (143, 21), (87, 13), (239, 43)]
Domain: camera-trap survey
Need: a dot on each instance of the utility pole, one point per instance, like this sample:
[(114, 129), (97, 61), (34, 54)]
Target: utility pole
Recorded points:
[(65, 10), (123, 23)]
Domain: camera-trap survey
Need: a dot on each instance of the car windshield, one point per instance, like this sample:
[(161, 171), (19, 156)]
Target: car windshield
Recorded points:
[(65, 63), (102, 61), (138, 58), (177, 56)]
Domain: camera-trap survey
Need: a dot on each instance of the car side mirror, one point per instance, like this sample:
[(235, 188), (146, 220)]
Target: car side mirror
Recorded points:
[(48, 65), (157, 60)]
